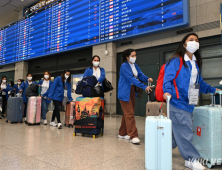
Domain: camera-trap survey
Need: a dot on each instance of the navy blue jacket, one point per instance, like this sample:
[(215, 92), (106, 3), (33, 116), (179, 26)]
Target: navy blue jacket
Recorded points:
[(47, 92), (126, 79), (56, 91), (182, 81), (23, 87)]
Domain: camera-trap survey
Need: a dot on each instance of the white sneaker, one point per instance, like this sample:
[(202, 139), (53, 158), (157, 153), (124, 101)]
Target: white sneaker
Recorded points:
[(127, 137), (196, 165), (45, 122), (53, 124), (60, 126), (135, 140), (25, 119)]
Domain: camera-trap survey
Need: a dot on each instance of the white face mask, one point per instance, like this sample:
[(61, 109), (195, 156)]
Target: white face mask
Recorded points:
[(192, 46), (4, 81), (66, 76), (19, 83), (29, 78), (46, 76), (132, 60), (96, 64)]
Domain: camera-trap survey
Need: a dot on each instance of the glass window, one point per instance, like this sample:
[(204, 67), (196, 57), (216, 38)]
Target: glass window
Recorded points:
[(212, 68), (211, 51), (168, 55)]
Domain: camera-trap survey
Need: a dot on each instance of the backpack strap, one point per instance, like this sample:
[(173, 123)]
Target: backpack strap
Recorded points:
[(174, 80)]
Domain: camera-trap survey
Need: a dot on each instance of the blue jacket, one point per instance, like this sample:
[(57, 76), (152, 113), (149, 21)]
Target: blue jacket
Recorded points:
[(182, 81), (126, 79), (6, 90), (23, 87), (16, 88), (89, 72), (47, 92), (56, 92)]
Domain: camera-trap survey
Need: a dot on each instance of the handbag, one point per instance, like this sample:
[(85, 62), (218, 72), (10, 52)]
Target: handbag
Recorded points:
[(107, 86), (99, 91)]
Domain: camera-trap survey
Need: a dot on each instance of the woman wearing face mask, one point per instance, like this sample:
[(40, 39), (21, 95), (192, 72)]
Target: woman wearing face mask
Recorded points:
[(130, 74), (4, 91), (16, 86), (23, 88), (60, 88), (96, 71), (45, 84), (188, 82)]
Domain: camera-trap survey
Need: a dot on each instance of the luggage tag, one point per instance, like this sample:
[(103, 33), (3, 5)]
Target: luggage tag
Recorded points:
[(194, 90)]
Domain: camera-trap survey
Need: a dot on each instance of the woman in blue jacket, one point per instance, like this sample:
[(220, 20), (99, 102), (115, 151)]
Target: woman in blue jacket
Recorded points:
[(96, 71), (23, 88), (189, 82), (16, 86), (60, 88), (5, 87), (45, 84), (130, 74)]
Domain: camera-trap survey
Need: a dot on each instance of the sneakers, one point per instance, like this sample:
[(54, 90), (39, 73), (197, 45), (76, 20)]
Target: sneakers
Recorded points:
[(45, 122), (25, 119), (196, 165), (127, 137), (135, 140), (60, 126), (53, 124)]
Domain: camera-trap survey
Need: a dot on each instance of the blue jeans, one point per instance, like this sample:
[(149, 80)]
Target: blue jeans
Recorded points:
[(44, 108)]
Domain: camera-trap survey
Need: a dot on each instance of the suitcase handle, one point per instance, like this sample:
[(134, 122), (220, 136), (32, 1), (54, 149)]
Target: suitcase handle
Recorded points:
[(213, 103), (168, 107)]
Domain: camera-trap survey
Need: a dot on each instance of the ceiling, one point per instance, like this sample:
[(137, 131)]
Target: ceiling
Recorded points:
[(9, 10)]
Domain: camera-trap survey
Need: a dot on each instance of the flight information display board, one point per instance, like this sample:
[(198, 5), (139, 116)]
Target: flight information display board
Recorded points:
[(69, 24)]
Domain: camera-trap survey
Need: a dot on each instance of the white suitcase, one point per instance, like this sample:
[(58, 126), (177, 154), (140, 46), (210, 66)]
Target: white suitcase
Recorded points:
[(158, 142)]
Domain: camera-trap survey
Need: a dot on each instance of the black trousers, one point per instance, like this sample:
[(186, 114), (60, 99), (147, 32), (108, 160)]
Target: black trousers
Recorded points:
[(56, 111), (25, 109), (4, 104)]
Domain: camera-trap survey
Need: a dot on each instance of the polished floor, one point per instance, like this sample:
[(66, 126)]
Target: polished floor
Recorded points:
[(41, 147)]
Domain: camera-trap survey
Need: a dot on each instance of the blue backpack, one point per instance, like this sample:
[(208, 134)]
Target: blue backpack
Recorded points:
[(88, 84)]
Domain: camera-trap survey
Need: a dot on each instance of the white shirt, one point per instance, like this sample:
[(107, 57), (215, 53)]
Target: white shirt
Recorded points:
[(3, 86), (134, 69), (45, 87), (194, 71), (97, 74), (30, 82)]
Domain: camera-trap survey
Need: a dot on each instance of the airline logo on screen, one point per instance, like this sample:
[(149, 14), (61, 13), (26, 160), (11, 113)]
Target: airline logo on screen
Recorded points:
[(38, 6)]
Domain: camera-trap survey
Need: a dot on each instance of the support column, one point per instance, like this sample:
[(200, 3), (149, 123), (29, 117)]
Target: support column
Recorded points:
[(21, 70), (109, 63)]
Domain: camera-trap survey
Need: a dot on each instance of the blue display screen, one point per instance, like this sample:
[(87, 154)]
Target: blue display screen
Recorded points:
[(71, 24)]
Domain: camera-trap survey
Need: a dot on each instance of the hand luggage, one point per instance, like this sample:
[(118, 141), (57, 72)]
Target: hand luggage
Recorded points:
[(33, 113), (158, 142), (207, 128), (89, 118), (88, 84), (69, 114), (32, 90), (155, 108), (15, 109), (79, 87), (107, 86)]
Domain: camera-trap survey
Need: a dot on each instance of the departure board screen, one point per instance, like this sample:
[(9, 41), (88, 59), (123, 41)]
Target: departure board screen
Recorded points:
[(70, 24)]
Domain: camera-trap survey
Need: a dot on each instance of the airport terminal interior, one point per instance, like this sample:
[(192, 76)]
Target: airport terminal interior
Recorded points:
[(76, 74)]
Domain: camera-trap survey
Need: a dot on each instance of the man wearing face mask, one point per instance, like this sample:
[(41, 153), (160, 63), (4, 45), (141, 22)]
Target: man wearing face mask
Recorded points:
[(60, 88), (130, 77), (96, 71), (45, 84), (4, 92), (189, 84), (23, 88)]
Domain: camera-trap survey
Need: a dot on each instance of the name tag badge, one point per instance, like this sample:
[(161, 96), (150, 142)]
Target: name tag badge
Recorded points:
[(194, 95), (65, 93)]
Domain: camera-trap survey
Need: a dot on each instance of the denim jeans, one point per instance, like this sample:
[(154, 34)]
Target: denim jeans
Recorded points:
[(44, 108)]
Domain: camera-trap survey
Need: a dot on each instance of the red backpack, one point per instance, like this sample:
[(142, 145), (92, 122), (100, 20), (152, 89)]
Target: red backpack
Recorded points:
[(159, 85)]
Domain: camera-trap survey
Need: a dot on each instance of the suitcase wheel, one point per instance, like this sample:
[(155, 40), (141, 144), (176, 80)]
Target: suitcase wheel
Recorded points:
[(74, 134), (94, 136), (101, 134), (69, 126), (6, 121), (209, 165)]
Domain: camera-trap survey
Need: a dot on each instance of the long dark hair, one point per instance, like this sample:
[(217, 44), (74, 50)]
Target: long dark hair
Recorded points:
[(181, 51), (93, 59), (127, 53), (63, 76)]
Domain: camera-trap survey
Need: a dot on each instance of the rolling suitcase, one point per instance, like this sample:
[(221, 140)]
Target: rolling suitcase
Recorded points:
[(207, 128), (158, 142), (69, 114), (155, 108), (89, 118), (34, 111), (15, 110)]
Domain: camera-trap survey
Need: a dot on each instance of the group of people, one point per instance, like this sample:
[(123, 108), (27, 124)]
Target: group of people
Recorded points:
[(131, 77)]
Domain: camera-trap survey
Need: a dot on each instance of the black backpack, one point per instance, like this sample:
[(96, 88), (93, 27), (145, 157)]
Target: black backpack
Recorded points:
[(32, 90)]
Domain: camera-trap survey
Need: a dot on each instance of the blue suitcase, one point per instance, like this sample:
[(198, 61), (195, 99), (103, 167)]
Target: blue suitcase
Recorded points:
[(15, 110), (207, 128), (158, 142)]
